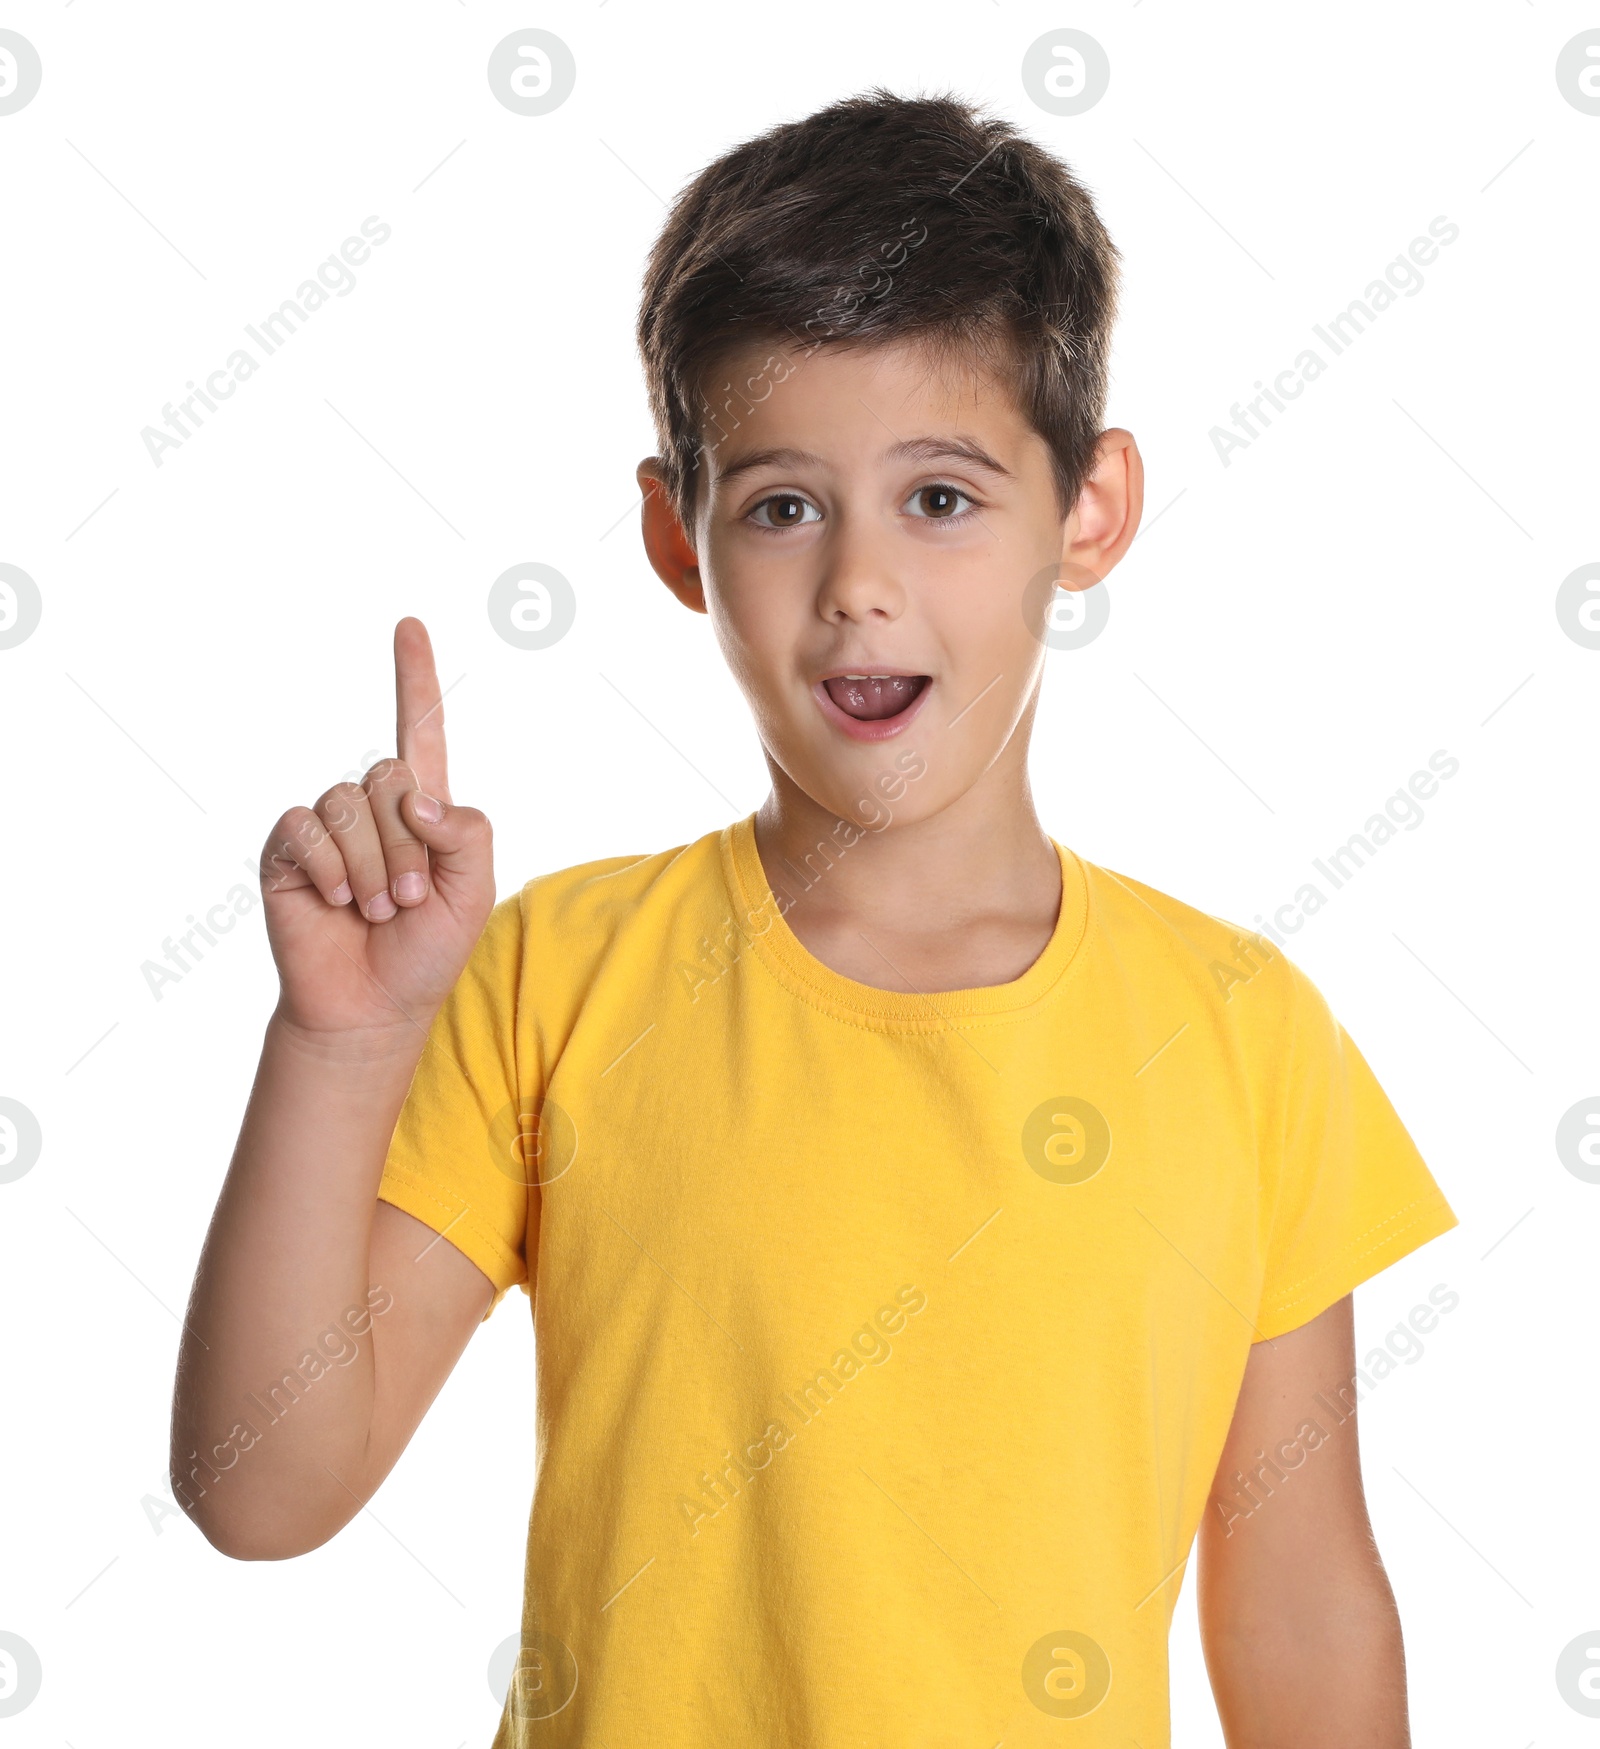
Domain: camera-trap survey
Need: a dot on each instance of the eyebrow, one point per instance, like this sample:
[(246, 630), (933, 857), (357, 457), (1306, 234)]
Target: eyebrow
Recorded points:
[(930, 449), (911, 449), (770, 458)]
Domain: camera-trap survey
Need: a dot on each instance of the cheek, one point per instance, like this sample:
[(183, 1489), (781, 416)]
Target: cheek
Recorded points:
[(755, 623), (980, 615)]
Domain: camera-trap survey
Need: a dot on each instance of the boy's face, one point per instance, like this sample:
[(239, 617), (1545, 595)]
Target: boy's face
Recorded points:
[(866, 535)]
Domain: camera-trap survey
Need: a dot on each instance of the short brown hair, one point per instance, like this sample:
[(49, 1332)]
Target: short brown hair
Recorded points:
[(987, 242)]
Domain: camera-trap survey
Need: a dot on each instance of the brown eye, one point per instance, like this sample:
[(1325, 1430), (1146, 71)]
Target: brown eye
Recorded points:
[(785, 510), (938, 503)]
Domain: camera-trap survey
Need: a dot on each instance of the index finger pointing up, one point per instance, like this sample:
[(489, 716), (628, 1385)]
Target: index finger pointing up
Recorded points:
[(419, 708)]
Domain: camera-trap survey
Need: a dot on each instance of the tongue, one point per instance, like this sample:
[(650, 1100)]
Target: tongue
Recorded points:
[(869, 700)]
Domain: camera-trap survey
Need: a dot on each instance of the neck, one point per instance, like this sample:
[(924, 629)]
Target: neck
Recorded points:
[(982, 854)]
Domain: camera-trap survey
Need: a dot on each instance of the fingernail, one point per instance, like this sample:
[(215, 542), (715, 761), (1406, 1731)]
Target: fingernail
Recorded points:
[(340, 894), (428, 809), (380, 907), (410, 886)]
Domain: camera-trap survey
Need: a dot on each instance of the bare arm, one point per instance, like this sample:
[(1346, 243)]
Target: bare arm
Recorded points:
[(322, 1322), (1299, 1625)]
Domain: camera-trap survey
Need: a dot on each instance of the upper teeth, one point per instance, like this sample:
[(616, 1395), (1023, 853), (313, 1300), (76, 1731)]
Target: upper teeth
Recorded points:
[(870, 677)]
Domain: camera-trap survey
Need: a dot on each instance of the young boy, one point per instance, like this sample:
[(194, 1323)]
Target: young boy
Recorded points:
[(932, 1231)]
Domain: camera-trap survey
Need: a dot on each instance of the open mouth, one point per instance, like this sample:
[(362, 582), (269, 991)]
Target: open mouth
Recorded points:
[(872, 707), (874, 698)]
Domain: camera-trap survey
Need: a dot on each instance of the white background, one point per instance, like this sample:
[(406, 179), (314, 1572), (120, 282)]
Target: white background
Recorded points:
[(1292, 636)]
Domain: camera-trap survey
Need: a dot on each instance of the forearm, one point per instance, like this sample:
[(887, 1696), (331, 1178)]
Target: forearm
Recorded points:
[(1309, 1656), (268, 1443)]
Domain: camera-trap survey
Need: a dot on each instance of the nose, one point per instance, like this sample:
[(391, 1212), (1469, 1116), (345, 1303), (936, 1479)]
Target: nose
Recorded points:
[(860, 579)]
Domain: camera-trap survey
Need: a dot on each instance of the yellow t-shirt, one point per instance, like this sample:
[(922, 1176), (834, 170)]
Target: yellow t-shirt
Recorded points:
[(886, 1342)]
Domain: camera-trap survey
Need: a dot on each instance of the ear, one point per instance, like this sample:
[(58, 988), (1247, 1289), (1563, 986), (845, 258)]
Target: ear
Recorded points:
[(1105, 519), (666, 544)]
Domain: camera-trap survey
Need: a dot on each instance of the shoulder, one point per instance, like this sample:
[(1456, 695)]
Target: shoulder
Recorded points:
[(1161, 939), (1265, 1027), (598, 931), (580, 913), (601, 894)]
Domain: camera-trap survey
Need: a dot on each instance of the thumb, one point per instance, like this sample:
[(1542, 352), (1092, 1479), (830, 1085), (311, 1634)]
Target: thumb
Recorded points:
[(460, 841)]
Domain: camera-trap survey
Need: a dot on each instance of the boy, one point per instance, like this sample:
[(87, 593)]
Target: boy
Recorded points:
[(932, 1231)]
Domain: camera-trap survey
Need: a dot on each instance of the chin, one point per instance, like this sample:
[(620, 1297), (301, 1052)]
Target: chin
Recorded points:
[(887, 787)]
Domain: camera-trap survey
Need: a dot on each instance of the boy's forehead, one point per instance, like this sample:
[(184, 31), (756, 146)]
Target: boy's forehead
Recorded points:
[(849, 398)]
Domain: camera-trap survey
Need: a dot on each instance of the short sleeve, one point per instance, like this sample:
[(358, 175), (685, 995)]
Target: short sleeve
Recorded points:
[(453, 1161), (1351, 1193)]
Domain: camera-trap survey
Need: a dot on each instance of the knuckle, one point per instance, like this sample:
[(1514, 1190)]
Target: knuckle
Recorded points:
[(388, 774), (284, 828), (296, 835), (305, 831), (277, 867), (341, 806)]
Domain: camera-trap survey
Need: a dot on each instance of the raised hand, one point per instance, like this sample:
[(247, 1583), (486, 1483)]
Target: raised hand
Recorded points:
[(376, 896)]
